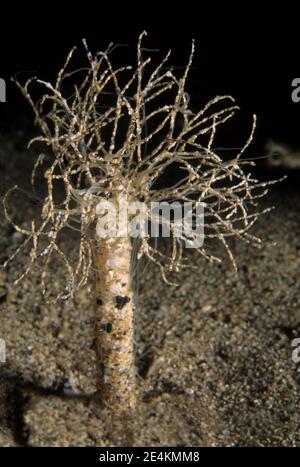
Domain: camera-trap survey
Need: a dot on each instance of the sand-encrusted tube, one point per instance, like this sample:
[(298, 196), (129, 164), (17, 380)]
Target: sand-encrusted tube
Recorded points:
[(115, 325)]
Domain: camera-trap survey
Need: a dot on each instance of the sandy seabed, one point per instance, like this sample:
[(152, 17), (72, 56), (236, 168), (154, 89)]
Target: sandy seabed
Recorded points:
[(214, 354)]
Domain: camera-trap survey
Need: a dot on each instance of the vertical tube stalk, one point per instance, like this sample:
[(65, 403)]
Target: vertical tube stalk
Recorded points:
[(115, 325)]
